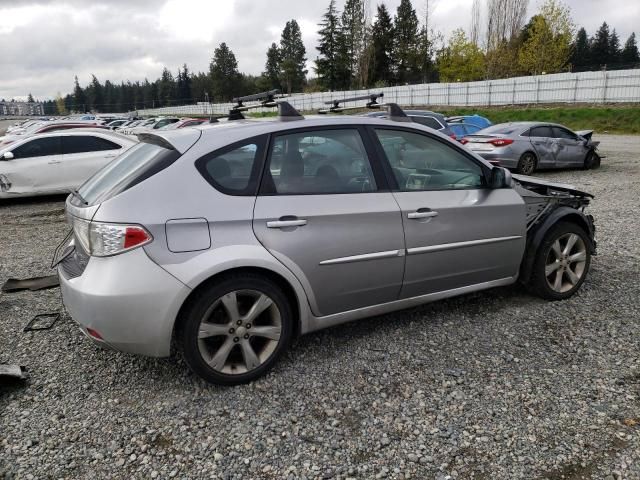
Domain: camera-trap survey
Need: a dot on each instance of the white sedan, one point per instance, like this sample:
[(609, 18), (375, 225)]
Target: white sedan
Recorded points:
[(57, 162)]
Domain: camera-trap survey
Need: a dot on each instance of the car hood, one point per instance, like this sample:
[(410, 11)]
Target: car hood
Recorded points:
[(533, 182)]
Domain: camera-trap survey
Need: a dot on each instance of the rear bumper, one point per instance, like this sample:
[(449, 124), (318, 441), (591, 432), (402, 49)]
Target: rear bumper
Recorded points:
[(128, 299), (503, 160)]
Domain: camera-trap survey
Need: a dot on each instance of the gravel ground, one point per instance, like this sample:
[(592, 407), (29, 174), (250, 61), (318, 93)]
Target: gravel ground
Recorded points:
[(497, 384)]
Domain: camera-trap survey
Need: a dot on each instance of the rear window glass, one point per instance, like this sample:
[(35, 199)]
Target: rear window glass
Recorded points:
[(137, 164), (500, 129), (427, 122)]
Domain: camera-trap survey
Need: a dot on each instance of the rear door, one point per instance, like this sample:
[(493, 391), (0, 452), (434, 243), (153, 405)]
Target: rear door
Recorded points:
[(458, 232), (544, 144), (325, 212), (571, 151), (36, 166), (84, 155)]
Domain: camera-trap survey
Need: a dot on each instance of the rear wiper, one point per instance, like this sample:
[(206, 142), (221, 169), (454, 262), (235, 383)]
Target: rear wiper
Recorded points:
[(77, 194)]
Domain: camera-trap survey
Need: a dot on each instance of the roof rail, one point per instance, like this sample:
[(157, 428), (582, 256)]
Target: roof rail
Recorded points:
[(336, 108)]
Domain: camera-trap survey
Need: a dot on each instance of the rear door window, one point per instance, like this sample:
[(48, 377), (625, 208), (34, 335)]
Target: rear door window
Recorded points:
[(541, 132), (40, 147), (86, 143), (318, 162)]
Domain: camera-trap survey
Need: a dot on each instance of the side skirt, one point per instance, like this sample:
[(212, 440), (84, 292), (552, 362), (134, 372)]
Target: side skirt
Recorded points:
[(318, 323)]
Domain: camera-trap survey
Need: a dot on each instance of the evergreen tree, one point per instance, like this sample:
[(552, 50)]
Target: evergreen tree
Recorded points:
[(426, 53), (382, 46), (327, 64), (614, 48), (30, 98), (350, 43), (166, 90), (630, 52), (292, 54), (78, 97), (224, 74), (184, 84), (272, 71), (406, 45), (600, 46), (94, 95), (581, 51)]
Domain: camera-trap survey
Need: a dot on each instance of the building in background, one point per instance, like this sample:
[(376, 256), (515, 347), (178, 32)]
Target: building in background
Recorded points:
[(21, 108)]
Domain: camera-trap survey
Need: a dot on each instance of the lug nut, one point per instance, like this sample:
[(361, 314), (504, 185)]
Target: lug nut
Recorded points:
[(246, 336), (231, 330), (248, 325), (236, 339), (239, 322)]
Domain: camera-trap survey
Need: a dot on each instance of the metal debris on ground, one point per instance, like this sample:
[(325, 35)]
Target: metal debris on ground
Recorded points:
[(35, 283), (42, 321), (12, 372)]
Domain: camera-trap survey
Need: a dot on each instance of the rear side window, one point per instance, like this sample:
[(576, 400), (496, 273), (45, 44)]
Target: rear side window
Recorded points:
[(40, 147), (234, 170), (86, 143), (132, 167), (541, 132), (428, 122)]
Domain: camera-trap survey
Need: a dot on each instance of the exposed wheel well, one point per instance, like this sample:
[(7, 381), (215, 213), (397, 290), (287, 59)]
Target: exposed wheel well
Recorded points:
[(274, 277)]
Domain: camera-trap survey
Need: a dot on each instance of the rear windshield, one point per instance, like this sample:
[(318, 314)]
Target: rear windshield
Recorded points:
[(132, 167), (500, 129)]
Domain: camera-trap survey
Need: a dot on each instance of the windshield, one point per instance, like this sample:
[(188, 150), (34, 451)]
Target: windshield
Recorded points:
[(129, 169)]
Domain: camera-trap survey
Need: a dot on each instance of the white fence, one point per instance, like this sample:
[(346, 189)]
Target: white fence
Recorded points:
[(616, 86)]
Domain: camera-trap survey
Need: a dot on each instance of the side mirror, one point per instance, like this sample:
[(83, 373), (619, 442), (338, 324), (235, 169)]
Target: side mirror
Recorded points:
[(7, 156), (500, 178)]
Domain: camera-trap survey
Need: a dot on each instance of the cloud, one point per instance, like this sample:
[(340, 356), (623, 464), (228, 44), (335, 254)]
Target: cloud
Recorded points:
[(46, 42)]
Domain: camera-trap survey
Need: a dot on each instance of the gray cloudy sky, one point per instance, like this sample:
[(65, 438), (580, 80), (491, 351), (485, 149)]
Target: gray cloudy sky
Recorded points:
[(44, 43)]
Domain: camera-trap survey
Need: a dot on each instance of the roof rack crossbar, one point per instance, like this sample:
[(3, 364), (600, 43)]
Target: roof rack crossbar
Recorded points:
[(266, 96), (336, 108)]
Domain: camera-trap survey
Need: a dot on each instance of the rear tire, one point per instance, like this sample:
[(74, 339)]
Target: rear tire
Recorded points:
[(235, 329), (592, 160), (527, 164), (562, 262)]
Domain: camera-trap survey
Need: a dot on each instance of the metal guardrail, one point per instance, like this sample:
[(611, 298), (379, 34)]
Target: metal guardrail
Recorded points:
[(614, 86)]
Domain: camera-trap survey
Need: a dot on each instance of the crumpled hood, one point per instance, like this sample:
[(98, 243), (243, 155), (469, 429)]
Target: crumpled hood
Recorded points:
[(525, 181)]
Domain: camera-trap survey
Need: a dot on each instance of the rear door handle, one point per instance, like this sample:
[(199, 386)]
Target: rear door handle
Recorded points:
[(422, 213), (298, 222)]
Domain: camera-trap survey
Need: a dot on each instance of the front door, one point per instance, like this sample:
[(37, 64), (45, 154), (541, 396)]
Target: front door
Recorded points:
[(458, 232), (572, 151), (35, 167), (320, 212)]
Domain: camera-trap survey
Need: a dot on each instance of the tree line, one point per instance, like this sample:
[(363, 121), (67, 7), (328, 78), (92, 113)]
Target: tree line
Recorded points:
[(357, 51)]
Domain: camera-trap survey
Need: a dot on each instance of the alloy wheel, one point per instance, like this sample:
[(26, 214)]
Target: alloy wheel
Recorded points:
[(239, 331), (527, 164), (565, 262)]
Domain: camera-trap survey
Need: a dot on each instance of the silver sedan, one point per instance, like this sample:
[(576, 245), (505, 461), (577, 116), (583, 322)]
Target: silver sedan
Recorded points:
[(527, 146)]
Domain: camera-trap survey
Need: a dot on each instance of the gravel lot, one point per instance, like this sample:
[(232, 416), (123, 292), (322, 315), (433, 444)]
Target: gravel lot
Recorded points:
[(494, 385)]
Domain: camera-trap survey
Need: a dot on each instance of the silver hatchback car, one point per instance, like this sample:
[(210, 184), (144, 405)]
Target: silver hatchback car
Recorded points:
[(228, 240)]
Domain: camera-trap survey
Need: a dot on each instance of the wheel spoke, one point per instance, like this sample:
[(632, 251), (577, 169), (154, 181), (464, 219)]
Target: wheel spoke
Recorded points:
[(557, 249), (230, 303), (573, 278), (549, 269), (251, 360), (260, 305), (272, 333), (578, 257), (557, 284), (570, 243), (220, 358), (212, 330)]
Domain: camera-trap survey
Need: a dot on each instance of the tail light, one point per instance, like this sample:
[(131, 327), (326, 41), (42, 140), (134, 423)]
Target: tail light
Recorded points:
[(464, 141), (101, 239), (453, 136), (501, 142)]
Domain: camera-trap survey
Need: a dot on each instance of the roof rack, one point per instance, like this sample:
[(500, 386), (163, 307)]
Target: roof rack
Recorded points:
[(336, 108), (394, 110), (266, 100)]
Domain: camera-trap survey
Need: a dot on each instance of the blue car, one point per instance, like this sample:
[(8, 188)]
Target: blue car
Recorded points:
[(476, 120), (464, 129)]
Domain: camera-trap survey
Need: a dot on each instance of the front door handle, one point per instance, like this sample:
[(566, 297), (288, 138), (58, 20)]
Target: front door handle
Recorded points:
[(422, 213), (282, 223)]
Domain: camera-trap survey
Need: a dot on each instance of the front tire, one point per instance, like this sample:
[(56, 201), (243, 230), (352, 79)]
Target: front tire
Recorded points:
[(527, 164), (235, 329), (562, 262)]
